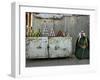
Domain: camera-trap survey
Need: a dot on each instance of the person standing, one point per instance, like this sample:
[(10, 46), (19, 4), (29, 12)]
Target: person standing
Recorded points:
[(82, 46)]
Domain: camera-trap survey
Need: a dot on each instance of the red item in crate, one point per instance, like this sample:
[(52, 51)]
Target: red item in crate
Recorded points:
[(60, 33)]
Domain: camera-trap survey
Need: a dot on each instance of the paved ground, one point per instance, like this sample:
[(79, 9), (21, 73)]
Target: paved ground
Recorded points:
[(55, 62)]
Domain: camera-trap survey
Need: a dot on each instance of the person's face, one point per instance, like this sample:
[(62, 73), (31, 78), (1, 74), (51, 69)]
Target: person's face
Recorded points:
[(83, 34)]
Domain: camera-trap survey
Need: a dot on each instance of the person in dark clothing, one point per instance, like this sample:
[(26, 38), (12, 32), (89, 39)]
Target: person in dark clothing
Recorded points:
[(82, 46)]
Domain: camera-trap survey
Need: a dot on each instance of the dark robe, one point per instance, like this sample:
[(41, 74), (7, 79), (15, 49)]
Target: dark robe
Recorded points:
[(82, 48)]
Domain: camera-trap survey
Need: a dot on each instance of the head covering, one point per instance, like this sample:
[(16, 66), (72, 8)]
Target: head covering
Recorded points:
[(81, 34)]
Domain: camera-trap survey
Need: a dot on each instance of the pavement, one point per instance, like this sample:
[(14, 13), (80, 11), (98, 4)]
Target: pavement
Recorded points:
[(56, 62)]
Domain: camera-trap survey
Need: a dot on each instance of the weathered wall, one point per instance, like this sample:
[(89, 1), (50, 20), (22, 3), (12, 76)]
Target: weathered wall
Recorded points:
[(74, 24), (57, 24)]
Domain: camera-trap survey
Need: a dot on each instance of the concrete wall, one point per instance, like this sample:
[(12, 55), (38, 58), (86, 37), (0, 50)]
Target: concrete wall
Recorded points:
[(39, 24), (71, 24), (76, 24)]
